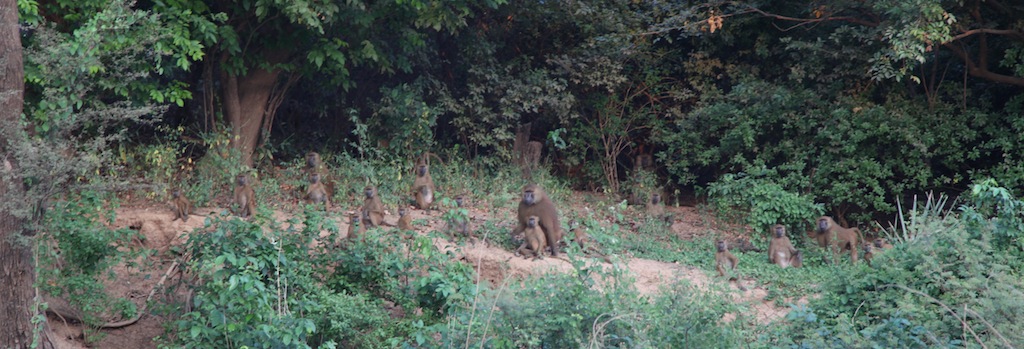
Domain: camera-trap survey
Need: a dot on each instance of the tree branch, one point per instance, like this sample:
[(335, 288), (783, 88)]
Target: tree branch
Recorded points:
[(981, 70)]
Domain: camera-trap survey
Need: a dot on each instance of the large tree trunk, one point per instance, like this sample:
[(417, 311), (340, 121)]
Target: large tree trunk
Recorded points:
[(17, 273), (250, 102)]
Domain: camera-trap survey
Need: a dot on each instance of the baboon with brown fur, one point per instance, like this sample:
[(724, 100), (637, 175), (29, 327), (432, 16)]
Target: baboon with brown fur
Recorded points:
[(245, 197), (355, 226), (182, 207), (314, 165), (587, 244), (780, 250), (534, 243), (882, 244), (831, 236), (404, 219), (536, 203), (316, 193), (868, 253), (423, 185), (373, 209), (725, 262)]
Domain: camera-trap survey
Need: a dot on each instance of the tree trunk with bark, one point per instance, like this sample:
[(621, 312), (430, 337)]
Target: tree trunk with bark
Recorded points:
[(17, 274), (250, 102)]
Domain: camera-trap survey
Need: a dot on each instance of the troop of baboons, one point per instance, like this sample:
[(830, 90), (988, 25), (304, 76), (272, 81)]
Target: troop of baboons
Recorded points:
[(537, 216)]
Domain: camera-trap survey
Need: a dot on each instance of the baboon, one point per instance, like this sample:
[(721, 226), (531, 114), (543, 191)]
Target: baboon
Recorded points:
[(355, 226), (182, 207), (868, 253), (587, 244), (654, 206), (830, 235), (245, 197), (882, 244), (798, 259), (725, 263), (643, 162), (535, 240), (423, 186), (373, 209), (536, 203), (780, 250), (404, 219), (316, 192), (462, 225), (315, 166)]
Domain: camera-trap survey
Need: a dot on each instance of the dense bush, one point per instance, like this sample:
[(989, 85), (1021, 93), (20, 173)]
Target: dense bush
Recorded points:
[(952, 283)]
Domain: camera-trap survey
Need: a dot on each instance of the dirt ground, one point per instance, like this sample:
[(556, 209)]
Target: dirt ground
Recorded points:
[(493, 263)]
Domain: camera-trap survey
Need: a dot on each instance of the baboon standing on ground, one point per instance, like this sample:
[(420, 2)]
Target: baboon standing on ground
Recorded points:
[(182, 207), (536, 203), (423, 186), (373, 209), (534, 242), (780, 250), (245, 197), (837, 239)]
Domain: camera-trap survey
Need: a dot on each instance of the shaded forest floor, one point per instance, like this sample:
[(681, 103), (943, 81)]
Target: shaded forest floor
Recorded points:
[(494, 265)]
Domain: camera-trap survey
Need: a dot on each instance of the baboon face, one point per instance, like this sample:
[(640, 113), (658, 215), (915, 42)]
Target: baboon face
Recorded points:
[(421, 170), (401, 212), (312, 159), (370, 192), (823, 224), (779, 231), (529, 197), (458, 201), (355, 219), (867, 248), (315, 178), (655, 198), (241, 180), (531, 222), (720, 245), (176, 193), (879, 242)]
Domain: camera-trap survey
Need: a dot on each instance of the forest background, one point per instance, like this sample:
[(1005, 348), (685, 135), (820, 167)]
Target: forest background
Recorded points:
[(766, 112)]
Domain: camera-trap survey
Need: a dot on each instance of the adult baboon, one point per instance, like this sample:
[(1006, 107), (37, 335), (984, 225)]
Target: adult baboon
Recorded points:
[(316, 193), (423, 185), (780, 250), (182, 207), (245, 197), (534, 243), (536, 203), (373, 209), (830, 235)]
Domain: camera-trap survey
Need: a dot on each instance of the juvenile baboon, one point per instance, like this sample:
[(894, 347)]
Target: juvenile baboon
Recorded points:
[(182, 207), (725, 263), (404, 219), (535, 240), (780, 250), (798, 259), (655, 208), (643, 162), (830, 235), (316, 193), (882, 244), (587, 244), (373, 209), (536, 203), (868, 253), (313, 162), (460, 224), (423, 186), (245, 197), (314, 165), (355, 226)]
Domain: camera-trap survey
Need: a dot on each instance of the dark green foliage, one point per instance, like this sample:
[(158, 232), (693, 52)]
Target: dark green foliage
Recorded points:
[(757, 201), (951, 284)]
